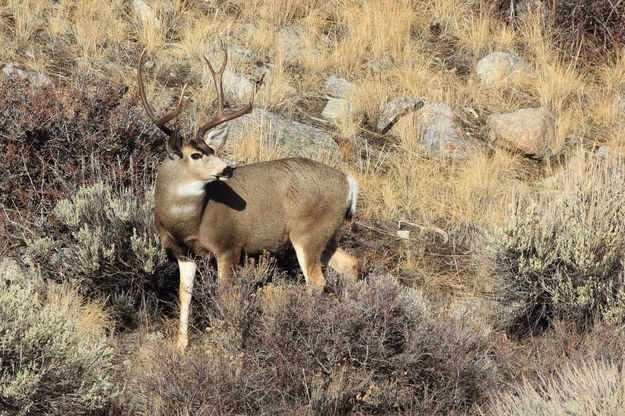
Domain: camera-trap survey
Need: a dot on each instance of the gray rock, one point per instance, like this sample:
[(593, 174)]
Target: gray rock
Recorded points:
[(338, 87), (35, 78), (391, 111), (403, 234), (294, 138), (337, 108), (498, 66), (144, 13), (530, 131), (604, 151), (525, 8), (243, 54), (608, 152), (237, 88), (10, 272), (291, 40), (438, 128), (620, 106), (247, 29), (381, 64)]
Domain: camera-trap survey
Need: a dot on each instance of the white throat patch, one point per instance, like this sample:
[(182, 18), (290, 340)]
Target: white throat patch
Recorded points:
[(195, 188), (182, 209)]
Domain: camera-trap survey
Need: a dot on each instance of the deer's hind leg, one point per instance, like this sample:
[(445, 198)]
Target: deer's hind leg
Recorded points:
[(342, 262), (309, 251), (226, 262)]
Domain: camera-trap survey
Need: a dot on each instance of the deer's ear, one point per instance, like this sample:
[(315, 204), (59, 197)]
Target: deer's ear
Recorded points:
[(216, 138), (174, 146)]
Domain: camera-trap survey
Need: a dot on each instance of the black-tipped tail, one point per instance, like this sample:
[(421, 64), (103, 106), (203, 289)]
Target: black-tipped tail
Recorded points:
[(352, 197)]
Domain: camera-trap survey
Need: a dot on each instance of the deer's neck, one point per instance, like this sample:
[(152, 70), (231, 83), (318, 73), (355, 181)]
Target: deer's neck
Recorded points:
[(179, 203)]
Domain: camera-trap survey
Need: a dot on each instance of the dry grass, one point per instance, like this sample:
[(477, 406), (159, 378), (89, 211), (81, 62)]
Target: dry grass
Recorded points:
[(343, 37), (589, 388)]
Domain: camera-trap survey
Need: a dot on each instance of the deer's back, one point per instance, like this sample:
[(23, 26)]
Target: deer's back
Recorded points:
[(264, 202)]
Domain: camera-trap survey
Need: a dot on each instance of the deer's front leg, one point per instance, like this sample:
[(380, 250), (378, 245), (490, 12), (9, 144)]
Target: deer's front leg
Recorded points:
[(187, 276)]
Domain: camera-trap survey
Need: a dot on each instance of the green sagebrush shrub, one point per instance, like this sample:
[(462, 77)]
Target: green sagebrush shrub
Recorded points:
[(108, 239), (562, 255), (588, 388), (108, 246), (51, 362), (382, 349)]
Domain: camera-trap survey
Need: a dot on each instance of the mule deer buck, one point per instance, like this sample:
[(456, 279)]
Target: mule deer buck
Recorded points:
[(204, 206)]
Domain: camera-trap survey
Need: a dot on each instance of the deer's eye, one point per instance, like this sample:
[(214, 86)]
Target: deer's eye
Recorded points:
[(196, 156)]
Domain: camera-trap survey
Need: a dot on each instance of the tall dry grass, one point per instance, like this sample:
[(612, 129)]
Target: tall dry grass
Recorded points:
[(588, 388)]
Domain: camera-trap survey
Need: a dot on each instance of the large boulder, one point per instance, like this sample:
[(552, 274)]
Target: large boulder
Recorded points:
[(530, 131), (144, 13), (292, 137), (338, 87), (336, 108), (391, 111), (291, 38), (438, 127), (498, 66), (237, 88)]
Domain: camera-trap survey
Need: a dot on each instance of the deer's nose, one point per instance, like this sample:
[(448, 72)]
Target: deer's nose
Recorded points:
[(227, 172)]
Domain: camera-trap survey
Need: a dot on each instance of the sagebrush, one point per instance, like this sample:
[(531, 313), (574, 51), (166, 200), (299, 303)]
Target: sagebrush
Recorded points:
[(107, 245), (562, 254), (588, 388), (54, 360)]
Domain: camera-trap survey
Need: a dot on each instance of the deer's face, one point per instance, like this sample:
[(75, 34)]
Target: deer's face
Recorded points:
[(197, 158), (201, 163)]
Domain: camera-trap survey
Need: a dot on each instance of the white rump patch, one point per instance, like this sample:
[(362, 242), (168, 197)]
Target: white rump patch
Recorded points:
[(352, 194), (195, 188)]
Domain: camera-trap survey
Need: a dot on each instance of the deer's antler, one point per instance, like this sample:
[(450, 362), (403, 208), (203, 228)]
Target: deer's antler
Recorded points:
[(221, 117), (160, 122)]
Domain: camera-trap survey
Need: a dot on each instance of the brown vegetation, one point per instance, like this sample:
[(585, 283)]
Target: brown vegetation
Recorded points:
[(369, 349)]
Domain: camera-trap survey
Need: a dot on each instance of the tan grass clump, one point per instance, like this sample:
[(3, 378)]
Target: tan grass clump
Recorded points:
[(589, 388)]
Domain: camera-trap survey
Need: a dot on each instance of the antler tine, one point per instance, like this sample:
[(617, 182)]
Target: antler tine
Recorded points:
[(220, 117), (160, 122), (218, 81)]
